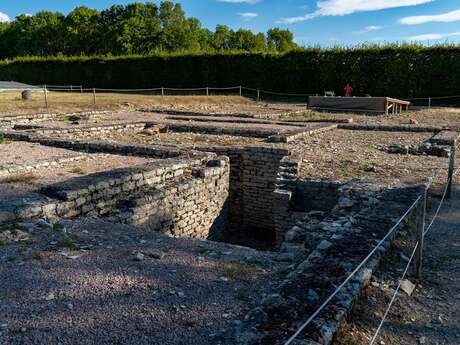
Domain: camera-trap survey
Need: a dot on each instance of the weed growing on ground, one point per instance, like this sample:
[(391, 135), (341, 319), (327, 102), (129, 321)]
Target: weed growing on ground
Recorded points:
[(20, 178), (79, 171), (235, 270)]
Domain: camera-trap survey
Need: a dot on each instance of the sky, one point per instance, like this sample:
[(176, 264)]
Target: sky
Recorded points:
[(313, 22)]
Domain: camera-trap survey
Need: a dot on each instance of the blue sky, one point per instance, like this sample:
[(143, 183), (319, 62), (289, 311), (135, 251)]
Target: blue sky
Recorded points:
[(314, 22)]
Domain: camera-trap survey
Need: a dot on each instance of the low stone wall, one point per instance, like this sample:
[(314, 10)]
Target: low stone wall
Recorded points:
[(194, 207), (389, 128), (322, 249), (10, 121), (190, 183), (244, 132), (100, 192), (91, 131), (157, 151), (11, 169)]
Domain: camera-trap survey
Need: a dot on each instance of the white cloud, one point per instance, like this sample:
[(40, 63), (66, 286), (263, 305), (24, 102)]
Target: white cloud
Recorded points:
[(344, 7), (248, 15), (438, 18), (369, 28), (431, 37), (4, 18), (252, 2)]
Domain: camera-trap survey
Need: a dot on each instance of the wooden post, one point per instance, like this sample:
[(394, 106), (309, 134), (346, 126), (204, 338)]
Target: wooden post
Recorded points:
[(94, 96), (45, 91), (386, 108), (258, 95), (241, 90), (162, 91), (450, 177), (429, 102), (420, 223)]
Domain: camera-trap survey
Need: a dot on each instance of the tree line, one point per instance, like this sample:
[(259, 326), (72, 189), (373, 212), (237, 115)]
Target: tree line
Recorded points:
[(137, 28)]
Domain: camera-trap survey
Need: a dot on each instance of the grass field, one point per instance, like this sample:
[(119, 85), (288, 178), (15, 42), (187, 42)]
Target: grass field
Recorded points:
[(11, 102)]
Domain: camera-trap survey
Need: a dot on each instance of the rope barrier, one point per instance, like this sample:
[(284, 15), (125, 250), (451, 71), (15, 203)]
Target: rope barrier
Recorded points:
[(336, 291), (393, 298)]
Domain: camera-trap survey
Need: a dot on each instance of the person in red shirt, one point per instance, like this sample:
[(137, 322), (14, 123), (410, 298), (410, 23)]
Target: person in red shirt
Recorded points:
[(348, 90)]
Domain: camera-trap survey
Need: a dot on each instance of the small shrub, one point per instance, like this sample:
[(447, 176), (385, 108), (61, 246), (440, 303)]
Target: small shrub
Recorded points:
[(79, 171), (69, 243), (237, 270), (3, 140)]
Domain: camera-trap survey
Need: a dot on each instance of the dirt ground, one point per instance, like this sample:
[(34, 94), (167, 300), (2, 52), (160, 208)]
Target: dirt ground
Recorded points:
[(85, 282), (431, 314), (345, 154), (444, 116), (20, 183)]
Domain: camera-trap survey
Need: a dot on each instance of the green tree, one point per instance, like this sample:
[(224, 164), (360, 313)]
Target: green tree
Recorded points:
[(280, 40)]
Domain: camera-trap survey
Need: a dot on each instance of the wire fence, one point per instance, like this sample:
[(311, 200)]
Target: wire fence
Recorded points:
[(255, 93), (416, 254)]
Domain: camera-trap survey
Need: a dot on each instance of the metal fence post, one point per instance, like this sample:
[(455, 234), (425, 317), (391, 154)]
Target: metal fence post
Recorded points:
[(429, 102), (258, 95), (162, 91), (450, 177), (94, 96), (241, 90), (207, 91), (420, 224), (46, 96)]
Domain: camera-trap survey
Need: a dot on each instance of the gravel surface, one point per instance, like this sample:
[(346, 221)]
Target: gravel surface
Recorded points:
[(187, 139), (86, 283), (346, 154), (431, 315), (21, 152), (17, 185)]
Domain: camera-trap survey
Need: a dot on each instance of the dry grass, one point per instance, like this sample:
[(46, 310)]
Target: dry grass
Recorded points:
[(236, 270), (432, 117), (11, 102), (25, 179), (79, 171)]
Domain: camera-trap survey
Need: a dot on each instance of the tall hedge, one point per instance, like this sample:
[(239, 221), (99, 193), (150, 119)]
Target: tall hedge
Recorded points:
[(398, 71)]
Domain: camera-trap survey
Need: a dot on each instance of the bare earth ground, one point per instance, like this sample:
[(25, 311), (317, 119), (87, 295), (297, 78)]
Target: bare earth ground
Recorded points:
[(345, 154), (431, 314), (434, 117), (85, 284), (185, 139), (18, 184), (21, 152)]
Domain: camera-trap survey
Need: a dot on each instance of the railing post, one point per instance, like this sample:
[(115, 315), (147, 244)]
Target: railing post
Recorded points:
[(241, 90), (46, 97), (420, 224), (450, 177), (162, 91), (429, 102), (94, 96), (207, 91), (258, 95)]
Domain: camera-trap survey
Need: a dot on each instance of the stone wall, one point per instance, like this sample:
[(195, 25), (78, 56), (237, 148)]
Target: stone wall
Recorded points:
[(194, 207), (254, 173), (178, 196)]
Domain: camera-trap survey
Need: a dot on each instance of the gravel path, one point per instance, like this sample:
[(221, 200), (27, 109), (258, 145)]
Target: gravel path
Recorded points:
[(100, 291), (431, 315)]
